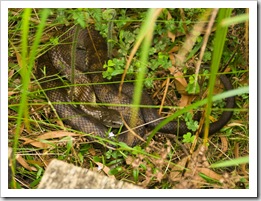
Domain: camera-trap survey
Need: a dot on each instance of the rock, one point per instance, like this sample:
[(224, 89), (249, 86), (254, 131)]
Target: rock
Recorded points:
[(61, 175)]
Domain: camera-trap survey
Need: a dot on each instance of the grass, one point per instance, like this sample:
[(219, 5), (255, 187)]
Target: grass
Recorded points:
[(218, 46), (155, 163)]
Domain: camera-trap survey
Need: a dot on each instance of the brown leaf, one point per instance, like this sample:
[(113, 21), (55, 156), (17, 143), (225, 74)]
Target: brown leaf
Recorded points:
[(57, 134), (180, 82), (244, 170), (172, 59), (49, 135), (171, 36), (10, 93), (129, 160), (23, 162), (92, 151), (105, 169), (209, 173), (185, 100), (11, 73), (236, 150), (224, 143), (234, 124), (34, 143), (174, 49)]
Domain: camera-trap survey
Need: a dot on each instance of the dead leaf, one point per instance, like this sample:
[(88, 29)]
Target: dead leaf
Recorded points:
[(129, 160), (195, 164), (23, 162), (173, 60), (236, 150), (244, 170), (11, 73), (174, 49), (180, 82), (35, 143), (56, 134), (185, 100), (92, 151), (171, 36), (49, 135), (224, 143), (234, 124), (209, 173), (10, 93), (105, 169)]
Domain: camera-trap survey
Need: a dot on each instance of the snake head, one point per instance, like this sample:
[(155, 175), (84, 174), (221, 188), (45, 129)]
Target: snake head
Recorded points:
[(112, 118)]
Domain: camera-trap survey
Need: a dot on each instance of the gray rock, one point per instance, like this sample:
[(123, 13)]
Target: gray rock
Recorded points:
[(61, 175)]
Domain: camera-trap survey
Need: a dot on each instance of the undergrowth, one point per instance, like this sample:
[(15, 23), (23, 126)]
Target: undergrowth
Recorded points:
[(153, 164)]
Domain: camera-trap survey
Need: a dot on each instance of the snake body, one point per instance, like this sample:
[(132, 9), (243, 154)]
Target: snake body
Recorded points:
[(90, 54)]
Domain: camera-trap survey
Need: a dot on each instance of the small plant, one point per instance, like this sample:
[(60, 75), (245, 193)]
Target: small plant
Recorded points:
[(188, 138)]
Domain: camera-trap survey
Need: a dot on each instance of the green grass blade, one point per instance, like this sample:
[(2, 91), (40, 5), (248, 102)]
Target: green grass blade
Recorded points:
[(143, 60), (234, 162), (219, 41), (147, 29), (235, 20), (26, 68), (23, 107)]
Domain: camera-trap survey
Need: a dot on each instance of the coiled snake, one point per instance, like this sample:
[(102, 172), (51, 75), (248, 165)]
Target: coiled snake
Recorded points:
[(89, 55)]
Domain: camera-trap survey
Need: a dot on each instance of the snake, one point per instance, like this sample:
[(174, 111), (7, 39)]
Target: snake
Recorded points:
[(71, 72)]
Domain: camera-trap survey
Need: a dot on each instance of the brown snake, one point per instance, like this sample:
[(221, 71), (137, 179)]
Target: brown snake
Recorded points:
[(90, 55)]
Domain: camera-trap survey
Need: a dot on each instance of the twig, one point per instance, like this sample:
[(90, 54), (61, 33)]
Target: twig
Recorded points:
[(205, 40)]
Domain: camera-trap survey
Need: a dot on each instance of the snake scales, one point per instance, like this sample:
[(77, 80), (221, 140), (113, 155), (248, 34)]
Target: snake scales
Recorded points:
[(90, 54)]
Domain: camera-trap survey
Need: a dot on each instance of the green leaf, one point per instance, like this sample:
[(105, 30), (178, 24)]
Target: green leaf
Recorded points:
[(192, 87), (39, 172), (192, 125), (80, 156), (188, 138), (109, 14), (124, 145), (111, 63), (137, 150), (96, 159), (113, 171), (108, 154), (54, 41), (207, 56), (136, 174)]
